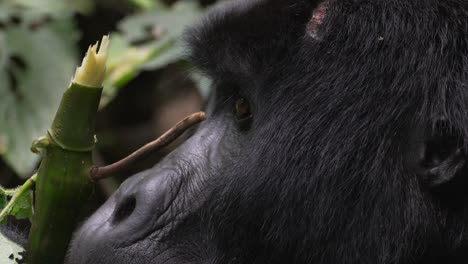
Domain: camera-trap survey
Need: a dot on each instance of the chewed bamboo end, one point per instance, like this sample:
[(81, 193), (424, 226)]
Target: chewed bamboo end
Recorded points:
[(93, 67)]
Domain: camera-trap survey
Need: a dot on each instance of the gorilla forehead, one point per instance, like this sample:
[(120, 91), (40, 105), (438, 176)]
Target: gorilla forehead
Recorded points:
[(247, 37), (370, 55)]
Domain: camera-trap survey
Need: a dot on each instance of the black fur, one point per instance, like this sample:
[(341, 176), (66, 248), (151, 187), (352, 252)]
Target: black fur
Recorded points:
[(356, 151), (14, 234)]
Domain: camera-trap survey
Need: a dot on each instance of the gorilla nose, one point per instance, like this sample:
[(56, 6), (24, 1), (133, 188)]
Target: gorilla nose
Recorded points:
[(147, 198), (141, 206), (124, 209)]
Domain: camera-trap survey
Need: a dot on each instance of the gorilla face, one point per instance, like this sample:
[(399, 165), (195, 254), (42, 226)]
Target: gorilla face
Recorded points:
[(335, 134)]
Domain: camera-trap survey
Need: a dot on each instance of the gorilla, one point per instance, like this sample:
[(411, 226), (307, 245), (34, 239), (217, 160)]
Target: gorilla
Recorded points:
[(337, 132)]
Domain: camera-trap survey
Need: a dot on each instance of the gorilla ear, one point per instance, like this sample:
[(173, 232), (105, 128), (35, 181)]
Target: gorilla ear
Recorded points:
[(437, 154)]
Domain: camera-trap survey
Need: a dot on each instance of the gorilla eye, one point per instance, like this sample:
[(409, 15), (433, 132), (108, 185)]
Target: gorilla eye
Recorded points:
[(242, 112)]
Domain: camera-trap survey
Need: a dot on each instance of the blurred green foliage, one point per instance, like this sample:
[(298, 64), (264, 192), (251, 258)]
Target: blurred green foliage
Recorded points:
[(38, 53), (147, 41), (35, 67)]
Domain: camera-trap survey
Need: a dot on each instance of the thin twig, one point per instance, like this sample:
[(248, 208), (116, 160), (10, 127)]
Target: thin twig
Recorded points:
[(98, 173)]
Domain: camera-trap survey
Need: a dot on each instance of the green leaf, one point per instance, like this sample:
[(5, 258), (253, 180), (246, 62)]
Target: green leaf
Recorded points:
[(35, 67), (147, 41), (168, 23), (19, 200), (23, 207), (10, 252), (164, 26), (203, 83), (145, 4), (54, 6), (167, 54), (3, 198)]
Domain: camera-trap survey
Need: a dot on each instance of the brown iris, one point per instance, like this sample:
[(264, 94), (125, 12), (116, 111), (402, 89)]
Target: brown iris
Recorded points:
[(242, 110)]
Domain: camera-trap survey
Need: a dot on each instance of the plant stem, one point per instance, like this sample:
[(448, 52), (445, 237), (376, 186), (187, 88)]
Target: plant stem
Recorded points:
[(98, 173), (20, 192), (63, 183)]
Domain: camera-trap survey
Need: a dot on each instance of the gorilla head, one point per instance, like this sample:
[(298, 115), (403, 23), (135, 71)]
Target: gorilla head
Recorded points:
[(337, 132)]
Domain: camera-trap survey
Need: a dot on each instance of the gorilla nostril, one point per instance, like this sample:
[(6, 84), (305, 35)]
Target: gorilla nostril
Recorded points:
[(124, 209)]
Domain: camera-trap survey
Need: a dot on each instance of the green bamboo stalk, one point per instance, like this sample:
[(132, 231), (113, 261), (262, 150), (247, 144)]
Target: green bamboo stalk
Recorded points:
[(63, 182)]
